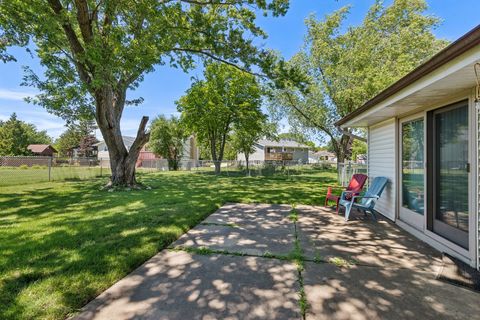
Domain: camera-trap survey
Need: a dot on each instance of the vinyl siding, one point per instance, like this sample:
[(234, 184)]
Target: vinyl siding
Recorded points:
[(300, 155), (477, 202), (381, 162), (257, 155)]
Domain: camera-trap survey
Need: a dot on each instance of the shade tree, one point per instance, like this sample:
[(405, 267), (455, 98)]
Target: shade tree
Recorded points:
[(347, 66), (95, 53), (16, 135), (226, 99), (167, 139)]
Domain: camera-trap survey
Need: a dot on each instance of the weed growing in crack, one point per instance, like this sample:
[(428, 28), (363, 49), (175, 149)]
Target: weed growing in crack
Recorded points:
[(206, 251), (231, 225), (297, 256), (293, 216), (341, 262), (317, 258)]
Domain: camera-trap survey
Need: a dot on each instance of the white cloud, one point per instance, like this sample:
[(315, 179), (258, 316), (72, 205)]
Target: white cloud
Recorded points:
[(7, 94), (39, 117)]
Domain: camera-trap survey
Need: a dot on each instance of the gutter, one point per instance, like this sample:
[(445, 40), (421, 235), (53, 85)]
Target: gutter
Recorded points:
[(452, 51)]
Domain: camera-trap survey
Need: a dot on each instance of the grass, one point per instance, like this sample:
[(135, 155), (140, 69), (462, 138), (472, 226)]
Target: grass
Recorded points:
[(10, 176), (63, 243), (299, 259)]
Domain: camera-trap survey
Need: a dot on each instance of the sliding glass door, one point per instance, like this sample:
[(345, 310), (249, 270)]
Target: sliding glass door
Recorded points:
[(450, 173), (412, 172)]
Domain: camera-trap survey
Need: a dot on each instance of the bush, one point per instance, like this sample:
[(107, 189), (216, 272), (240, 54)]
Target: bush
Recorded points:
[(23, 166), (36, 166), (324, 166)]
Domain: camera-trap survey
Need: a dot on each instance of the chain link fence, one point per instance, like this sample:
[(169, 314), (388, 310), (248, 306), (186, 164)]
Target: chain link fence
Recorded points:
[(234, 167), (27, 170)]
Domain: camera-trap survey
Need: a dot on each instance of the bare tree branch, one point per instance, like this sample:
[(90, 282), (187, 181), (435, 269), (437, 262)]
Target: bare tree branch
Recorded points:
[(216, 58)]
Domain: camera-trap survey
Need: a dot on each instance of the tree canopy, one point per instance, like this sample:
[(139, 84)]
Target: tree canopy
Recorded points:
[(16, 135), (167, 139), (78, 135), (249, 129), (227, 98), (95, 51), (347, 68)]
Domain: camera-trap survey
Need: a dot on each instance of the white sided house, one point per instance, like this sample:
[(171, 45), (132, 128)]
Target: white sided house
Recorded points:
[(424, 136), (282, 150), (103, 149)]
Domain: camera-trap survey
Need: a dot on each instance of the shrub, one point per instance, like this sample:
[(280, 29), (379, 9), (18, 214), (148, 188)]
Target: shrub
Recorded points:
[(23, 166)]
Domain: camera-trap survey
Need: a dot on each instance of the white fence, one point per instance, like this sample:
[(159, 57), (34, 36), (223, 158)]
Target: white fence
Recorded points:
[(347, 170)]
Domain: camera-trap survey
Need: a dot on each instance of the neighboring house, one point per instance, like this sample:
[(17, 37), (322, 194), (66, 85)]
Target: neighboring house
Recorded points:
[(283, 150), (424, 135), (45, 150), (76, 153), (190, 150), (103, 149), (321, 156)]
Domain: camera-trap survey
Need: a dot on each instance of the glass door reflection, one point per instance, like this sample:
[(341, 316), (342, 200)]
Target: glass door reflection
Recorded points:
[(413, 173)]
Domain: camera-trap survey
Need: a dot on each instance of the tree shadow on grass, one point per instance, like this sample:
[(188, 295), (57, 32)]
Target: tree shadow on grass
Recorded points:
[(64, 243)]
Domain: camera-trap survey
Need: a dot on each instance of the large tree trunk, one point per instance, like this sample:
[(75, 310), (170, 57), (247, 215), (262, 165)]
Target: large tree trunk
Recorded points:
[(109, 107), (343, 149), (218, 166), (123, 171)]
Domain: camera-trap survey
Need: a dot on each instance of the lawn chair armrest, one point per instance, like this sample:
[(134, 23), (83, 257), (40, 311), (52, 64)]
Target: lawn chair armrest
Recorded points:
[(377, 197), (364, 197), (344, 193)]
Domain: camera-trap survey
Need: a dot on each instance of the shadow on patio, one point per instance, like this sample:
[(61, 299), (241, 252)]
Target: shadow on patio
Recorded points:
[(180, 285), (351, 270), (374, 270)]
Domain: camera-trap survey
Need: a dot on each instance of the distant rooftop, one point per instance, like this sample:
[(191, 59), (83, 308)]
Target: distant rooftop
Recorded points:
[(128, 141), (323, 153), (39, 148), (281, 143)]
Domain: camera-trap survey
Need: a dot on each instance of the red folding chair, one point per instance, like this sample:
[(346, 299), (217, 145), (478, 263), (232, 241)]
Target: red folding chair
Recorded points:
[(354, 188)]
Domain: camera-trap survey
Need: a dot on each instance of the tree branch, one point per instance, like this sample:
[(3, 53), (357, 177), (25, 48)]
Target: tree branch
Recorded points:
[(214, 57), (75, 45), (304, 115), (84, 21), (141, 138)]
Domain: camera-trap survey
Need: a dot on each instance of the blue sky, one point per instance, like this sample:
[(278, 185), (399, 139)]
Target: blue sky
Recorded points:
[(161, 88)]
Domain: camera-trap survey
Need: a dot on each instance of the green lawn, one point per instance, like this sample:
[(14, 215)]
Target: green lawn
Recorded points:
[(62, 243), (10, 176)]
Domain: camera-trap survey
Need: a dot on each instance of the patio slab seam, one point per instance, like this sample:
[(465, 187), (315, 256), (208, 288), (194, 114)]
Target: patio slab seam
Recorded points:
[(296, 256)]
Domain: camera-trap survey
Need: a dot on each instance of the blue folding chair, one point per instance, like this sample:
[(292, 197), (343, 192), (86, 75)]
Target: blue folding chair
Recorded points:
[(367, 201)]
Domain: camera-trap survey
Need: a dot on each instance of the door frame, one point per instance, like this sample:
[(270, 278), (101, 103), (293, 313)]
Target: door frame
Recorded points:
[(432, 178), (417, 221), (472, 255)]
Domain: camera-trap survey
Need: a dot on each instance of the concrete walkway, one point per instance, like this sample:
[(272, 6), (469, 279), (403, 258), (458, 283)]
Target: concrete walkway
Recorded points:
[(269, 262)]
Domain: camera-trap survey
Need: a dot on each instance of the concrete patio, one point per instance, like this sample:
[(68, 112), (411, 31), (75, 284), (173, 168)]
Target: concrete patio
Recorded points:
[(239, 263)]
